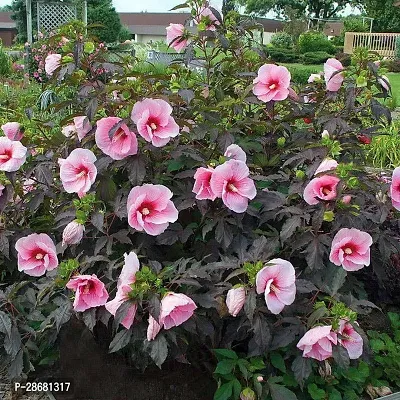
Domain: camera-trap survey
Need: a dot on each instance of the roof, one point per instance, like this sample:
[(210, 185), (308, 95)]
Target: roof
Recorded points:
[(5, 21), (151, 23)]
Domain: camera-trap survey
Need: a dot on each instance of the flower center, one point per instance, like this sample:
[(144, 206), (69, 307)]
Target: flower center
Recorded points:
[(145, 211), (326, 191), (348, 250), (273, 86), (232, 188), (274, 288), (4, 157), (120, 132), (39, 256), (153, 126), (81, 174), (88, 287)]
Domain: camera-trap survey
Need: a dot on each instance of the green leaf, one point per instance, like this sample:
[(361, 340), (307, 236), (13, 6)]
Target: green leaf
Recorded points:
[(225, 353), (225, 367), (243, 367), (315, 392), (121, 339), (175, 165), (237, 388), (279, 392), (256, 363), (224, 392), (159, 350), (278, 362), (334, 394)]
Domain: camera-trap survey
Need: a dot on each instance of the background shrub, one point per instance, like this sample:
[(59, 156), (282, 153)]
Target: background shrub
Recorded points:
[(5, 62), (300, 73), (283, 55), (393, 66), (316, 57), (397, 52), (282, 40), (315, 41)]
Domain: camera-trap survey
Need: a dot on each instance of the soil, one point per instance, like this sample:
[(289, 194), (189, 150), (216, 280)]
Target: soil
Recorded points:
[(97, 375)]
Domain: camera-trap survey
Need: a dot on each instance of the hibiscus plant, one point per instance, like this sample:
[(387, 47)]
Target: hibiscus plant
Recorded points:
[(220, 206)]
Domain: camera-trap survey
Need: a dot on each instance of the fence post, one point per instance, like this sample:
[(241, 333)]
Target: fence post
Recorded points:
[(348, 42)]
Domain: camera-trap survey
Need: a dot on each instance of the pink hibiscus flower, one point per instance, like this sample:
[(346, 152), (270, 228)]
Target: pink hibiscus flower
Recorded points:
[(350, 339), (235, 152), (154, 121), (13, 130), (202, 186), (395, 188), (231, 182), (317, 343), (333, 80), (125, 280), (89, 292), (351, 249), (272, 83), (326, 165), (235, 299), (123, 142), (52, 62), (82, 126), (12, 154), (78, 172), (207, 16), (277, 282), (150, 209), (36, 254), (176, 37), (321, 188), (176, 308)]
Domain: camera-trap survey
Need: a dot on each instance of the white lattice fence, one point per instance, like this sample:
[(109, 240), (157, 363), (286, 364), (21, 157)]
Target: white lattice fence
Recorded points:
[(53, 15)]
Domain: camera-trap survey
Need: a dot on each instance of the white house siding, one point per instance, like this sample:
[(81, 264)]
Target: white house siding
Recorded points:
[(141, 38)]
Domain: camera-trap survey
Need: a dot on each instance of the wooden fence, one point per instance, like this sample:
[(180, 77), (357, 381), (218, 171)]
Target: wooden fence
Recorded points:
[(382, 43)]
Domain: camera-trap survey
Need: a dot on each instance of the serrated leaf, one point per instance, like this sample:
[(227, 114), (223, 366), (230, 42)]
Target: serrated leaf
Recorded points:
[(159, 350), (225, 353), (225, 367), (137, 170), (315, 392), (289, 227), (262, 334), (279, 392), (97, 219), (278, 362), (341, 356), (224, 234), (121, 339), (16, 366), (250, 304), (224, 392), (302, 369)]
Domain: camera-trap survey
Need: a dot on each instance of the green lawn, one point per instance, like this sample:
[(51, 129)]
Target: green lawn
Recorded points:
[(395, 83)]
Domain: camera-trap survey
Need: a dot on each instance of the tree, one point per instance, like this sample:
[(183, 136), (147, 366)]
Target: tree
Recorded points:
[(312, 8), (102, 12), (227, 6), (386, 15)]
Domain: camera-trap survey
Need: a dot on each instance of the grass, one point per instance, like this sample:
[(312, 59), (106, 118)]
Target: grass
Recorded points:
[(395, 83)]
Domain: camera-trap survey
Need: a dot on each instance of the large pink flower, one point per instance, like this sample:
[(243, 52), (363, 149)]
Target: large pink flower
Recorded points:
[(150, 208), (321, 188), (176, 37), (333, 80), (395, 188), (12, 154), (90, 292), (326, 165), (235, 152), (176, 308), (52, 62), (82, 126), (351, 249), (277, 282), (125, 280), (154, 121), (123, 142), (317, 343), (12, 130), (36, 254), (231, 182), (235, 299), (207, 16), (272, 83), (350, 339), (78, 172), (202, 186)]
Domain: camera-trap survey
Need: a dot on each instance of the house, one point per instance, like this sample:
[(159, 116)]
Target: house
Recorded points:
[(8, 29), (144, 27), (333, 28), (150, 27)]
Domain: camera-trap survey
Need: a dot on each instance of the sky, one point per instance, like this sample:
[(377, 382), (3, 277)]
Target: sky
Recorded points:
[(140, 5)]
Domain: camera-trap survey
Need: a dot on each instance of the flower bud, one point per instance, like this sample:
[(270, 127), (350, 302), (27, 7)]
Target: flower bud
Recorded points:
[(325, 134), (346, 199), (235, 300), (300, 174), (260, 378), (281, 141), (247, 394), (73, 233)]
